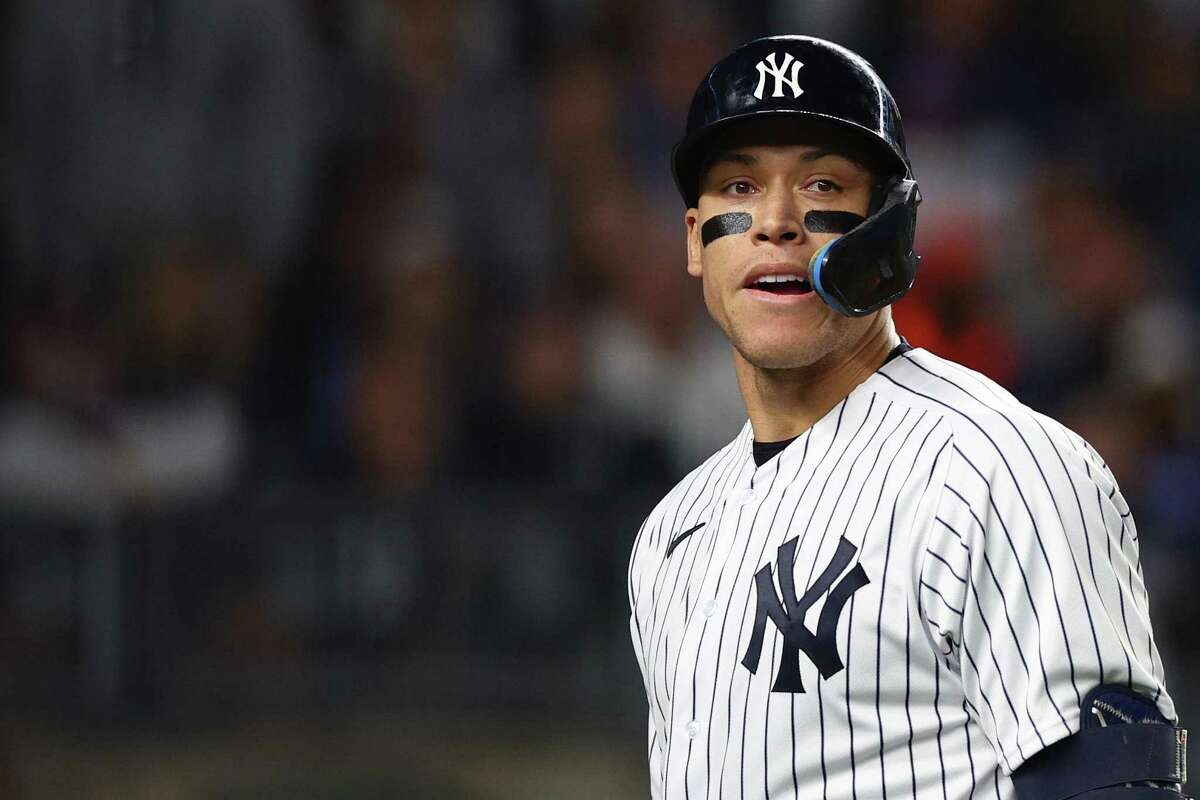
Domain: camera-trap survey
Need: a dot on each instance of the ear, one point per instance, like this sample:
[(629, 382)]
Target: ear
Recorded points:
[(691, 219)]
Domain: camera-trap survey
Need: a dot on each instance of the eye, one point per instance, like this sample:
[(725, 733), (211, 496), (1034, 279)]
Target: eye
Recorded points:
[(823, 186), (739, 187)]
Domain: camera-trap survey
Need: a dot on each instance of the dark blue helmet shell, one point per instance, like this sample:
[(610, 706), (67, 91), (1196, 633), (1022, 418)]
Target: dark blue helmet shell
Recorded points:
[(798, 75)]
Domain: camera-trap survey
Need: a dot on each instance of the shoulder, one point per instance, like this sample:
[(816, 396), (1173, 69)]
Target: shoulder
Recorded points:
[(990, 426), (968, 399), (1004, 453), (687, 498)]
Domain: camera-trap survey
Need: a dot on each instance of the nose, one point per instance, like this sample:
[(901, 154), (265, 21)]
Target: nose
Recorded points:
[(778, 219)]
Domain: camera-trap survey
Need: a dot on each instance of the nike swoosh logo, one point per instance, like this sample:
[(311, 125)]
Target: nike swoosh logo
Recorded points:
[(675, 542)]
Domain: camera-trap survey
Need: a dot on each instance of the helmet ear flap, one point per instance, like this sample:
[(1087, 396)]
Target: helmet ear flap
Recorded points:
[(879, 194), (874, 264)]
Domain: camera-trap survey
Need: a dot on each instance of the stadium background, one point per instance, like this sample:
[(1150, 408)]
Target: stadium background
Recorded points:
[(345, 344)]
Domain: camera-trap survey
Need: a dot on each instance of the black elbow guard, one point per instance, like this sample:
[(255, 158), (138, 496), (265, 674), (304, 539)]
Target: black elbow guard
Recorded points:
[(1125, 750)]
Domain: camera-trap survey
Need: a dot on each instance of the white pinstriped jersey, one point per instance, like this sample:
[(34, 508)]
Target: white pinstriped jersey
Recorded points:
[(1002, 582)]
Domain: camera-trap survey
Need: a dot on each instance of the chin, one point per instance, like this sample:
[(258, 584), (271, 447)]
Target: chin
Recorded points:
[(776, 354), (769, 343)]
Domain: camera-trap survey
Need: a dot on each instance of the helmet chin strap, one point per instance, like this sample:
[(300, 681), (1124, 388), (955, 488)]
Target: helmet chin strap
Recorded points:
[(873, 263)]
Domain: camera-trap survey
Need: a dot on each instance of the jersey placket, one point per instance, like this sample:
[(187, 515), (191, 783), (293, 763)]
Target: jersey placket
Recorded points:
[(715, 623)]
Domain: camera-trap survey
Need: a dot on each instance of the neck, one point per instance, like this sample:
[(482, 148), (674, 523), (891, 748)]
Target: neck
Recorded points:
[(784, 403)]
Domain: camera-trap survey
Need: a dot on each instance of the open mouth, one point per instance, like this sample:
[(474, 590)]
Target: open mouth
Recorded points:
[(782, 284)]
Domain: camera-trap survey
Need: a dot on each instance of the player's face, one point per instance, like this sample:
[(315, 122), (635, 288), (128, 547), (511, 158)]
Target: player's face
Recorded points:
[(751, 236)]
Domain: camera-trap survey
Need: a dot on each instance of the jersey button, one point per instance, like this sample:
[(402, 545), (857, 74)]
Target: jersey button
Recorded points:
[(708, 607), (748, 497), (693, 729)]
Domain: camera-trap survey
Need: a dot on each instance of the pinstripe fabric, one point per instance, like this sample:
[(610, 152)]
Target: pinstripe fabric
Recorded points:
[(1002, 583)]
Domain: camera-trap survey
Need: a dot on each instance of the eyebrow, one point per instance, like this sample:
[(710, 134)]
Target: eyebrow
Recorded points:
[(748, 160), (816, 154), (744, 159)]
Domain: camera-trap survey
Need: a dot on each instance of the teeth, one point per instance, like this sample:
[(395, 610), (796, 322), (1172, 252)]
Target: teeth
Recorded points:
[(780, 279)]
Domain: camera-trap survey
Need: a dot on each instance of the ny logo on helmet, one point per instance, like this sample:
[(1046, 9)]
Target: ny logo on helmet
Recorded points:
[(779, 72)]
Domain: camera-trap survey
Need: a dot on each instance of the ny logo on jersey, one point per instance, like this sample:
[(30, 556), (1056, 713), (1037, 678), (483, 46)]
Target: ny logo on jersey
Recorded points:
[(767, 65), (788, 615)]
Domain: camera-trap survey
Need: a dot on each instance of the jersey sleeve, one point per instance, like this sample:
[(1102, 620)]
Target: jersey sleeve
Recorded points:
[(654, 742), (1031, 587), (655, 759)]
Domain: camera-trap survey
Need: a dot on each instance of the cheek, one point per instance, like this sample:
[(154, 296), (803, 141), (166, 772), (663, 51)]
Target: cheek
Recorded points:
[(836, 222), (713, 287), (728, 224), (710, 287)]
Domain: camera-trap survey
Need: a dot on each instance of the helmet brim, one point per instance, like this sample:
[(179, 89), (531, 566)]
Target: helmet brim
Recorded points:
[(689, 155)]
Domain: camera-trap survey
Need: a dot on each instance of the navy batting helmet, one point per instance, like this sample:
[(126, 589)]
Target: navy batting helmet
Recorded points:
[(806, 78)]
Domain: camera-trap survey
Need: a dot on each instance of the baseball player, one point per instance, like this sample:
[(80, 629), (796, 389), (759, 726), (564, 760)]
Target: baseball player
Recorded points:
[(897, 580)]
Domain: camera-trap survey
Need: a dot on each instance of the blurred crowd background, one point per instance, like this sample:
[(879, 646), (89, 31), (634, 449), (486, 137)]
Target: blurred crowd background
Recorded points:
[(346, 344)]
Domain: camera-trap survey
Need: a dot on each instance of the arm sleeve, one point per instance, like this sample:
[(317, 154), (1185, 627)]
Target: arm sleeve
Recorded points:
[(655, 750), (654, 742), (1031, 588)]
